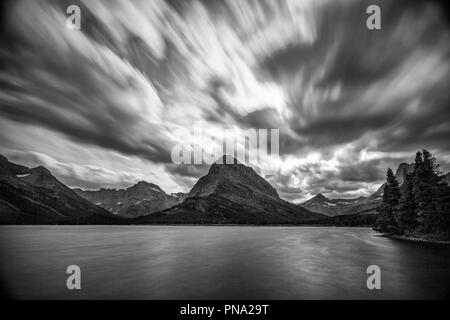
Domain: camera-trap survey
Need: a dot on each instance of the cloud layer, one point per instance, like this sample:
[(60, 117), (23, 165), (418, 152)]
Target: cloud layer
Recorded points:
[(348, 101)]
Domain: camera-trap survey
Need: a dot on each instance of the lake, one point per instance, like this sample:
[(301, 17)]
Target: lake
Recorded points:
[(217, 262)]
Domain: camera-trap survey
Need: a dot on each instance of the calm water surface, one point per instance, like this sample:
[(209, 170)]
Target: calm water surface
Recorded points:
[(213, 262)]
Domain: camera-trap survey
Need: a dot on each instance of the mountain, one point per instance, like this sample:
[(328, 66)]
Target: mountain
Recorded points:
[(35, 196), (402, 170), (361, 205), (334, 207), (400, 174), (140, 199), (180, 196), (233, 193)]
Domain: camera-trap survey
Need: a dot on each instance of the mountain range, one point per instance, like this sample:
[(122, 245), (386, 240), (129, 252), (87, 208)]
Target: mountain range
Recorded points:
[(360, 205), (233, 193), (35, 196), (230, 193), (140, 199)]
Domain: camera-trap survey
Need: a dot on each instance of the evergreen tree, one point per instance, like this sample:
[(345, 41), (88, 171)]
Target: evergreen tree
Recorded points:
[(431, 166), (427, 192), (388, 209), (418, 162), (406, 216), (421, 204), (444, 208)]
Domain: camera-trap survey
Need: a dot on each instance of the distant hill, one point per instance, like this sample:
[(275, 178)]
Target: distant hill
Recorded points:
[(233, 193), (140, 199), (35, 196), (336, 207), (361, 205)]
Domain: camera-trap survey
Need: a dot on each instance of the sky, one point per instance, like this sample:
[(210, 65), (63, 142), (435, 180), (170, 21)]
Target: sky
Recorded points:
[(100, 106)]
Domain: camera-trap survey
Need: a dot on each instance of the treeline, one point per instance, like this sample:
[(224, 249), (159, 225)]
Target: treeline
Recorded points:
[(418, 207), (352, 220)]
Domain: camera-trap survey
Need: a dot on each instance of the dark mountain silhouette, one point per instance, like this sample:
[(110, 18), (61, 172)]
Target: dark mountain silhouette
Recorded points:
[(361, 205), (35, 196), (233, 193), (140, 199)]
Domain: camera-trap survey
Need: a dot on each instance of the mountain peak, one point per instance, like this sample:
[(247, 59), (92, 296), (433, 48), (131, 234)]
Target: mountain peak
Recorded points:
[(10, 169), (227, 159), (232, 192), (320, 196), (139, 199), (41, 176), (148, 184), (230, 177), (38, 197), (40, 170), (144, 188), (227, 162)]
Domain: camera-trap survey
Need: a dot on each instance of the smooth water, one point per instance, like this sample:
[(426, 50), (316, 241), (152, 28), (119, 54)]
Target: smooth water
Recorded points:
[(217, 262)]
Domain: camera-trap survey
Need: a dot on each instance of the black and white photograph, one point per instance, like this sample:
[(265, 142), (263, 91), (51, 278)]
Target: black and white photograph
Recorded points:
[(224, 150)]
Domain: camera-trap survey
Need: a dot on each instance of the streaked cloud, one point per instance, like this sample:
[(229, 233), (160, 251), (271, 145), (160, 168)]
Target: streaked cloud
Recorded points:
[(348, 101)]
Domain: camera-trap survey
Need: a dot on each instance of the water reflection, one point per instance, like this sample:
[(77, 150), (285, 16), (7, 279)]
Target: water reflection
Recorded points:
[(206, 262)]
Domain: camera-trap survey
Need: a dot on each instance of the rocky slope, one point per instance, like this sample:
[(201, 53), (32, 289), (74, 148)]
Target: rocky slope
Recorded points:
[(141, 199), (233, 193), (35, 196)]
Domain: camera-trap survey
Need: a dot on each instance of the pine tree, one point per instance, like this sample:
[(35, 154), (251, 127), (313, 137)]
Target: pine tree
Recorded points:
[(418, 162), (421, 204), (406, 216), (444, 208), (388, 209), (427, 192)]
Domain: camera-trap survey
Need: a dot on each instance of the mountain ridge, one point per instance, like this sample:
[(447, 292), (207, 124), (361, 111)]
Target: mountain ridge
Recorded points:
[(139, 199), (228, 193), (361, 205), (35, 196), (233, 193)]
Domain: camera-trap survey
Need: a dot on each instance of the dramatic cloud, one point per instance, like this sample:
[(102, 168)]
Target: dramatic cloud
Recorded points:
[(100, 106)]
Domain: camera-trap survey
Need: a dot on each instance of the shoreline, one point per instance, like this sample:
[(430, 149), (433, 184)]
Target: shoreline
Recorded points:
[(190, 225), (415, 239)]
